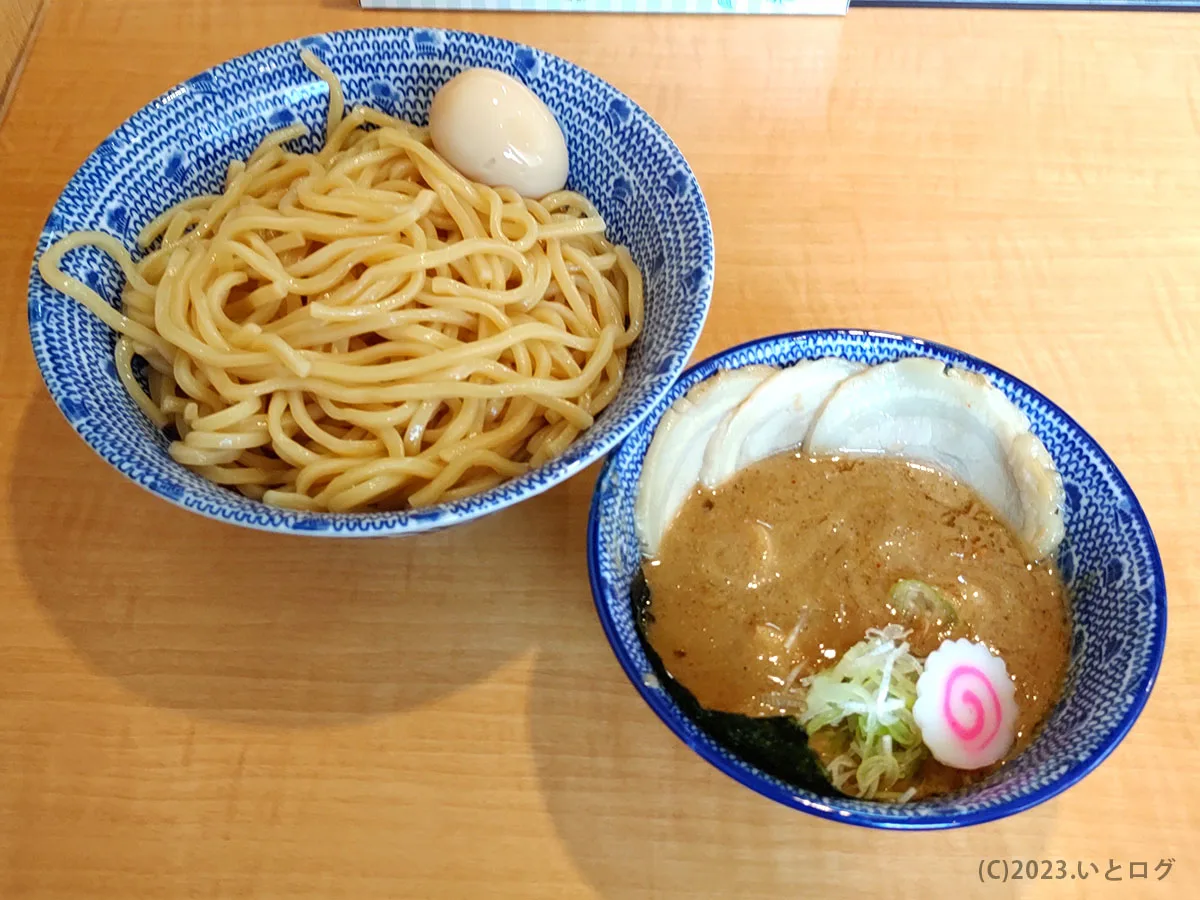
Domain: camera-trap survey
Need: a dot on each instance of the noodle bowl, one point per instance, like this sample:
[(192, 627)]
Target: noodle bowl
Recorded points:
[(363, 327)]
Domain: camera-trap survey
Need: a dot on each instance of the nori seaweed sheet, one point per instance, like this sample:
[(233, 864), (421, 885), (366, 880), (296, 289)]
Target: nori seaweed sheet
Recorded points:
[(777, 745)]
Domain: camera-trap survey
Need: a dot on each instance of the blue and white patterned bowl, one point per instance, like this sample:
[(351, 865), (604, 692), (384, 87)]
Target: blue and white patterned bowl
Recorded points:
[(1109, 560), (180, 144)]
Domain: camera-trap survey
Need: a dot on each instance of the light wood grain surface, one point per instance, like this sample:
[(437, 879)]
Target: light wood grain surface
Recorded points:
[(189, 710), (17, 18)]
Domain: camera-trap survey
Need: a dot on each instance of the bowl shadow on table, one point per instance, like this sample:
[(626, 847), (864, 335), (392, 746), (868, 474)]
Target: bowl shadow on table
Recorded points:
[(643, 817), (234, 624)]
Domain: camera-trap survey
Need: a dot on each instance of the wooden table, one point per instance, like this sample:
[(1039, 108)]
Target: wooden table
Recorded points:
[(189, 710)]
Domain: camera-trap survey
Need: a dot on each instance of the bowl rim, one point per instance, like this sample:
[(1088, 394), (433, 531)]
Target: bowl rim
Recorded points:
[(886, 819), (399, 523)]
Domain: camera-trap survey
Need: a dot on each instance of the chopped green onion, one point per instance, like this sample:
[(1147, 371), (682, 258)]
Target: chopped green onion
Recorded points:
[(868, 697), (916, 599)]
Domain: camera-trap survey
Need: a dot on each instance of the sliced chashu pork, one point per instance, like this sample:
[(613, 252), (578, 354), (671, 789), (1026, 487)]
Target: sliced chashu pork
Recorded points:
[(671, 469), (955, 421), (776, 416)]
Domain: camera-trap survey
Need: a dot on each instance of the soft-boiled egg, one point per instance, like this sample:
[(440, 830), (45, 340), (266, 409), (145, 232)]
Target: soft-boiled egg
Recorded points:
[(495, 130)]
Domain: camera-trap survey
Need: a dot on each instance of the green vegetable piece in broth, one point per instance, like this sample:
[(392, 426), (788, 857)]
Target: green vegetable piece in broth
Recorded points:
[(917, 600)]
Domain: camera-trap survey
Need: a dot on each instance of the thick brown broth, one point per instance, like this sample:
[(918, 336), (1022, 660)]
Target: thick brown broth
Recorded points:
[(777, 573)]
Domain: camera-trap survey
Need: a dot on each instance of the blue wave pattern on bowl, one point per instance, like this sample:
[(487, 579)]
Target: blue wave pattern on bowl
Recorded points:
[(1108, 559), (180, 144)]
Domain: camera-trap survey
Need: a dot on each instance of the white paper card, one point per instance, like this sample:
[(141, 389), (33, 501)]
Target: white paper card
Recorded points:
[(685, 7)]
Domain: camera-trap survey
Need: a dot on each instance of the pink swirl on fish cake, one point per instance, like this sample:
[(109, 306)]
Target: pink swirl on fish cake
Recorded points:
[(970, 699), (966, 705)]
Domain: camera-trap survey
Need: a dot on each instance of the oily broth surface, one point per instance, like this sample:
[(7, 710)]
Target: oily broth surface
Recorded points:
[(778, 572)]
